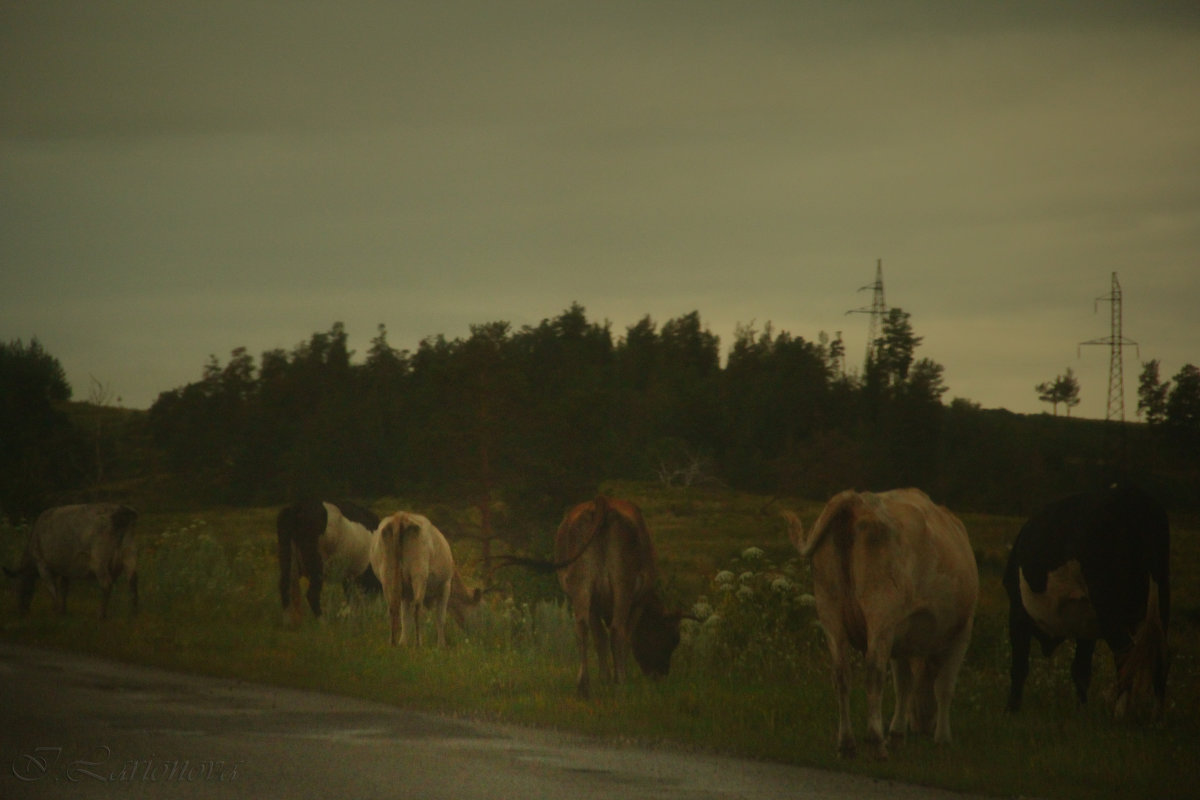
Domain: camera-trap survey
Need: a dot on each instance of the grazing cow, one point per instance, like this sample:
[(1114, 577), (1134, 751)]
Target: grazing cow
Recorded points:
[(75, 542), (413, 561), (1093, 566), (313, 532), (606, 565), (894, 577)]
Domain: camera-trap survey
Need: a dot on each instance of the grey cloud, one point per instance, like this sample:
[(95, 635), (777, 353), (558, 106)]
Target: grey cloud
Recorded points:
[(250, 173)]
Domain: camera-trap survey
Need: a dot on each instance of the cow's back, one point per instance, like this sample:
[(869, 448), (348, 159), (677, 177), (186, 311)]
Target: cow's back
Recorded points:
[(937, 563), (77, 540), (940, 548), (347, 535), (894, 559), (608, 545), (1119, 536), (405, 542)]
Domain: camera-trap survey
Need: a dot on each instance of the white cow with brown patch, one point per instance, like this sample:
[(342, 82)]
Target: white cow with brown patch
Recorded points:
[(894, 577), (414, 563)]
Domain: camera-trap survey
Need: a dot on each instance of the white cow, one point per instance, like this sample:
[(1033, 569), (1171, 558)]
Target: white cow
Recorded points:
[(414, 563), (77, 541), (894, 576)]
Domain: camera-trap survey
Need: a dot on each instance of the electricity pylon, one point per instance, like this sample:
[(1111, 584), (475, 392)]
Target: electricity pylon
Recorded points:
[(1115, 341), (877, 310)]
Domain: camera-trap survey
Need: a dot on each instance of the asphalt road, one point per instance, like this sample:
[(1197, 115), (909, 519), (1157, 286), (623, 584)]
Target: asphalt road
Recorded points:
[(79, 727)]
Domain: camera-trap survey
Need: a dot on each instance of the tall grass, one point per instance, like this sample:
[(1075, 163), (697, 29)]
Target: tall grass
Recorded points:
[(750, 677)]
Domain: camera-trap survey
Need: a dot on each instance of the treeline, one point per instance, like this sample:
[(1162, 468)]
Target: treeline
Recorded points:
[(537, 417), (547, 412), (529, 420)]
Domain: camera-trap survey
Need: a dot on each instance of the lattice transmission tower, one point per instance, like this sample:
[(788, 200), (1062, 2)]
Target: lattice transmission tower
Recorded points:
[(1115, 341), (877, 310)]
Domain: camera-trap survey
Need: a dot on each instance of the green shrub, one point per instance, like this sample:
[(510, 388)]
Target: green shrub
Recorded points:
[(757, 623), (191, 573)]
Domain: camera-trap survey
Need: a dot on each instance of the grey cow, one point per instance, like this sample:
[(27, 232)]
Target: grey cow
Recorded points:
[(74, 542)]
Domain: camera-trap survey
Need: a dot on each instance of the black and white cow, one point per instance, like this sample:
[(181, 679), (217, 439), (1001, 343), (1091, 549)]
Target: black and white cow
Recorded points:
[(1093, 566), (315, 531)]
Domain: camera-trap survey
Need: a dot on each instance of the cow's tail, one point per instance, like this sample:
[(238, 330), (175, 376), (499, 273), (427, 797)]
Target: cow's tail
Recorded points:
[(831, 516), (395, 553), (1147, 658), (546, 566)]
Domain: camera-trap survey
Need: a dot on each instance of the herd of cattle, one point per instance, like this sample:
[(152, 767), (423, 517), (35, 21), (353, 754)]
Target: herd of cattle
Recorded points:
[(894, 578)]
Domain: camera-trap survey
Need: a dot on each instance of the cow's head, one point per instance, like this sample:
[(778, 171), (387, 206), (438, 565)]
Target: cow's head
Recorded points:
[(654, 639)]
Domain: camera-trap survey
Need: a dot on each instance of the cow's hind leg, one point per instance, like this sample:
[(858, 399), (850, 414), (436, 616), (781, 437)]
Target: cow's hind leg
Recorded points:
[(621, 630), (417, 601), (876, 661), (840, 655), (903, 681), (416, 618), (395, 611), (605, 642), (133, 592), (582, 626), (944, 677)]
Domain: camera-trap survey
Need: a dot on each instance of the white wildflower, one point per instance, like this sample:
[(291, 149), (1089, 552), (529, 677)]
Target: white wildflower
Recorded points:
[(752, 554), (745, 593), (807, 601), (782, 586), (724, 577)]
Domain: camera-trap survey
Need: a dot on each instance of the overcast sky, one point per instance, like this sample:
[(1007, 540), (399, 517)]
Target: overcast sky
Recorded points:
[(180, 179)]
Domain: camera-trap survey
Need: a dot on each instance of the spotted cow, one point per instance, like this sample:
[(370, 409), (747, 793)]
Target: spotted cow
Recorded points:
[(311, 533)]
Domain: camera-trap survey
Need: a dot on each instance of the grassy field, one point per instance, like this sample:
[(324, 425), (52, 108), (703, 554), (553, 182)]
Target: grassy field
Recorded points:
[(752, 679)]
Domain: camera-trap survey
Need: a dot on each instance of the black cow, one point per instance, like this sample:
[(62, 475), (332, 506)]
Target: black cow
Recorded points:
[(1093, 566), (314, 532)]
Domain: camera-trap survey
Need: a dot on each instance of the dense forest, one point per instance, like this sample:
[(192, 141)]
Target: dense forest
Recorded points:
[(527, 421)]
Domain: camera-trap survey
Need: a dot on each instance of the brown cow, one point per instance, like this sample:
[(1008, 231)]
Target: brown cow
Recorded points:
[(606, 565), (77, 541), (894, 576)]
